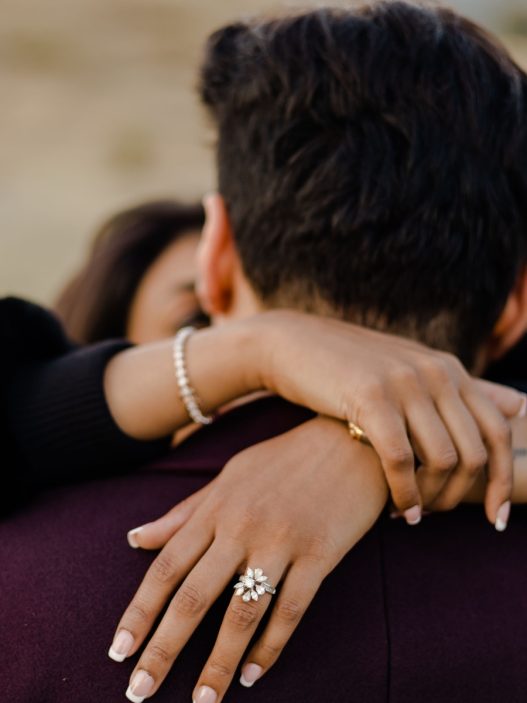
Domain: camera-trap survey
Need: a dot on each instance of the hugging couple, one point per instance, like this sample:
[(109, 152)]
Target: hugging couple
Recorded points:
[(365, 261)]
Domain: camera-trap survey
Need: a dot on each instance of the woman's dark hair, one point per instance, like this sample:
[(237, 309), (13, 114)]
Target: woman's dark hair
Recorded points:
[(95, 304), (374, 160)]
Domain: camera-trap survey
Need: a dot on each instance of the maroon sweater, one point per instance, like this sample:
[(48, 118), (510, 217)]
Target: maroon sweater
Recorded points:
[(436, 613)]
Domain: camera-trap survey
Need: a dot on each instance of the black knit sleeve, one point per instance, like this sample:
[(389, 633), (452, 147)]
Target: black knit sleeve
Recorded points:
[(56, 425)]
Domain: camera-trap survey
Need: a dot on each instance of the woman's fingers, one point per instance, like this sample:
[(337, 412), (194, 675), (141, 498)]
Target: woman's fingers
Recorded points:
[(455, 438), (388, 434), (167, 570), (509, 401), (238, 626), (207, 580), (154, 535), (298, 590), (471, 450), (496, 432), (434, 447)]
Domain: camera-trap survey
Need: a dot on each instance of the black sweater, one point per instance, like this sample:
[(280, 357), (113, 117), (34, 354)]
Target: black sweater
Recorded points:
[(55, 425)]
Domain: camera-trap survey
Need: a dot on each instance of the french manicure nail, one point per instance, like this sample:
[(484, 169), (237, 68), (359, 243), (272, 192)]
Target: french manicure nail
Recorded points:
[(502, 516), (131, 537), (142, 686), (206, 694), (250, 674), (523, 407), (413, 515), (121, 646)]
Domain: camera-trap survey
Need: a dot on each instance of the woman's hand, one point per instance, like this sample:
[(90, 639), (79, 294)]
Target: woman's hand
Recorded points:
[(409, 400), (315, 495)]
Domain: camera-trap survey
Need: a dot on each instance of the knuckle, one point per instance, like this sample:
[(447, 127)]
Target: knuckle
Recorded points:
[(163, 568), (445, 462), (268, 652), (247, 520), (372, 390), (220, 668), (281, 528), (436, 368), (366, 397), (316, 548), (398, 457), (137, 612), (189, 600), (367, 405), (157, 653), (475, 462), (289, 610), (238, 531), (452, 362), (404, 375), (242, 615)]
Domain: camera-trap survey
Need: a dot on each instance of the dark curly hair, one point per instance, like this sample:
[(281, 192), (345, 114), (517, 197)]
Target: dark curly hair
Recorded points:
[(374, 162)]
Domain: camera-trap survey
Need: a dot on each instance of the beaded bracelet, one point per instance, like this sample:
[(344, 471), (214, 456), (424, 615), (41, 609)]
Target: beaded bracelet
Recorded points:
[(186, 392)]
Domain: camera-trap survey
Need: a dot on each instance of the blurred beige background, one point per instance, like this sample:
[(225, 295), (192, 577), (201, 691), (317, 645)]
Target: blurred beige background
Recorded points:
[(98, 112)]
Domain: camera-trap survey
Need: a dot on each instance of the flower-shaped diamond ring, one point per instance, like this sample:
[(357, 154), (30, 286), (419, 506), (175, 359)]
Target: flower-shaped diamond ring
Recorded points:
[(253, 584)]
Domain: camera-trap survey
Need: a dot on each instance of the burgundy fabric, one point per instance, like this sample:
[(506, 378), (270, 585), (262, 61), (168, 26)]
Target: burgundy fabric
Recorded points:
[(456, 601), (436, 613)]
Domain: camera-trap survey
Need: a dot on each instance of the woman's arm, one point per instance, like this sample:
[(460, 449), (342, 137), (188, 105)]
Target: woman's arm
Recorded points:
[(396, 389), (63, 420)]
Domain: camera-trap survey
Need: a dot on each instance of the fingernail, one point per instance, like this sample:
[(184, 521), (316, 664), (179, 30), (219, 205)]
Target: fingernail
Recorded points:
[(206, 694), (131, 537), (522, 412), (142, 685), (250, 674), (121, 646), (502, 517), (413, 515)]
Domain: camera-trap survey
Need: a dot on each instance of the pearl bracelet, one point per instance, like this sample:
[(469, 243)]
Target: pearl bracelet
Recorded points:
[(186, 392)]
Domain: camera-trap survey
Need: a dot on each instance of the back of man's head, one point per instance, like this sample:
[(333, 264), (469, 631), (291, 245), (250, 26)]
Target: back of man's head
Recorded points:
[(374, 163)]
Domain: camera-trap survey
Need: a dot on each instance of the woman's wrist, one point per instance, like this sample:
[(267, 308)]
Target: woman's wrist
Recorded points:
[(140, 384), (225, 362)]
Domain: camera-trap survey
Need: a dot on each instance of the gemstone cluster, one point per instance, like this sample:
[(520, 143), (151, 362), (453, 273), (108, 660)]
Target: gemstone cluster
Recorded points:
[(251, 584)]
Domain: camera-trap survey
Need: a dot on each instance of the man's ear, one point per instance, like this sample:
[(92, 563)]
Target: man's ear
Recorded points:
[(512, 323), (216, 258)]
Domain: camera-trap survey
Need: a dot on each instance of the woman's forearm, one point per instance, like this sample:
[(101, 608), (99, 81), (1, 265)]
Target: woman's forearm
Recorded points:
[(519, 491), (141, 387)]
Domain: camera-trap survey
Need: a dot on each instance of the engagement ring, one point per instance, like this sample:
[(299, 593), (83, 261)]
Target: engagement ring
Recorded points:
[(253, 584)]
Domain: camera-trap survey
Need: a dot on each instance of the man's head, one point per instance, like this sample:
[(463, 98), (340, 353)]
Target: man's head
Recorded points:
[(373, 166)]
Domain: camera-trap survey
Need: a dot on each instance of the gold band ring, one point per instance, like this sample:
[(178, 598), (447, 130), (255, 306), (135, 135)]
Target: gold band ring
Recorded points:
[(358, 433)]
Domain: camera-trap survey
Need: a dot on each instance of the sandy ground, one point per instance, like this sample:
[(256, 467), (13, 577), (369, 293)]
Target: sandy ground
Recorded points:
[(98, 111)]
